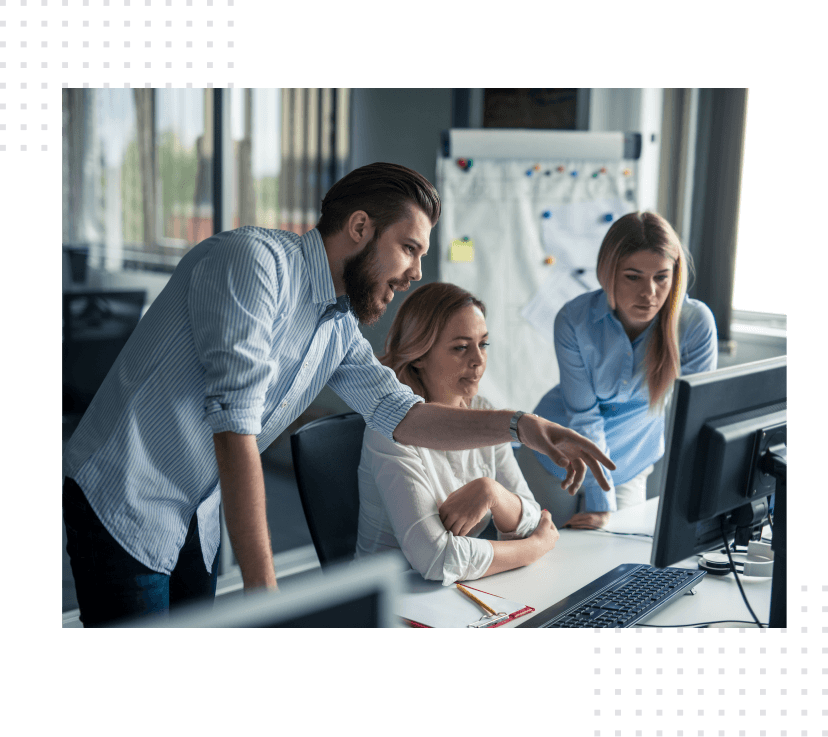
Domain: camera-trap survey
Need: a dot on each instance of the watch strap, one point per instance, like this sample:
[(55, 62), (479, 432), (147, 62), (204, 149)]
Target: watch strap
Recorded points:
[(513, 425)]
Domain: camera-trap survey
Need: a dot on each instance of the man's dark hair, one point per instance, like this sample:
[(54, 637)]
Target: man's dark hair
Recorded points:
[(384, 191)]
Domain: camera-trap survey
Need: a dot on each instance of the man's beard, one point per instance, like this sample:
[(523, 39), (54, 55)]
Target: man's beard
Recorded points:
[(362, 284)]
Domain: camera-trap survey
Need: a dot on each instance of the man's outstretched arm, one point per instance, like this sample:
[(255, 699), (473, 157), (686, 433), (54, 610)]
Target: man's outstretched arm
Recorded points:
[(449, 428)]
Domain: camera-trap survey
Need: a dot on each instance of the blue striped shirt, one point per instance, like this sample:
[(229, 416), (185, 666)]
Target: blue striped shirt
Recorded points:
[(603, 392), (243, 337)]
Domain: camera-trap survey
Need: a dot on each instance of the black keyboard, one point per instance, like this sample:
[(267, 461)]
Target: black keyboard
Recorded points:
[(620, 598)]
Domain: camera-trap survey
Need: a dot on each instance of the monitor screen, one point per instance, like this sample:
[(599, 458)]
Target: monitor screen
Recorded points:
[(349, 594)]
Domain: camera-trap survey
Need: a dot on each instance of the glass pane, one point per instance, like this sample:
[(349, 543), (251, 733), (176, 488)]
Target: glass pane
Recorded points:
[(184, 168), (758, 284), (122, 211), (255, 128)]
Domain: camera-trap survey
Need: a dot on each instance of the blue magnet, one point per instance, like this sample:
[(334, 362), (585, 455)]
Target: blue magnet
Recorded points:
[(574, 173), (529, 172), (608, 217), (547, 213)]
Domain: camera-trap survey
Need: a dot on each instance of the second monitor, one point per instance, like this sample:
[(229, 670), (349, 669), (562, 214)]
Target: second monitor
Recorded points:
[(726, 456)]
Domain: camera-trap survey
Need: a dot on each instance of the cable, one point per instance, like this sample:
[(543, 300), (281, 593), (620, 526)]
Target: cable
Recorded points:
[(609, 532), (701, 624), (735, 574)]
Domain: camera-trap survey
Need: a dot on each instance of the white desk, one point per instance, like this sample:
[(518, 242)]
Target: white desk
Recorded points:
[(581, 556)]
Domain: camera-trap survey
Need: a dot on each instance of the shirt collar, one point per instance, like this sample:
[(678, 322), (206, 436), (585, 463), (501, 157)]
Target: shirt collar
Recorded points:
[(601, 308), (319, 270)]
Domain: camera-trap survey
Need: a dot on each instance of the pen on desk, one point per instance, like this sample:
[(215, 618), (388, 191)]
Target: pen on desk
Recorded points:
[(477, 601)]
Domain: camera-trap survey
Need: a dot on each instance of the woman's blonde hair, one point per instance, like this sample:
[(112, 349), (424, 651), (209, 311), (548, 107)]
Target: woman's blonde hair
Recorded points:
[(648, 231), (417, 325)]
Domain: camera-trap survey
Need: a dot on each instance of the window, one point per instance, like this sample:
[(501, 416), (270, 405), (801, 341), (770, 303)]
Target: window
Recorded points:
[(759, 284), (139, 186), (255, 121)]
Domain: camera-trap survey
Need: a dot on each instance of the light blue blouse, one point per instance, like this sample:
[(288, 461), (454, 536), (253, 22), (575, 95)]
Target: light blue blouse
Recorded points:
[(603, 392)]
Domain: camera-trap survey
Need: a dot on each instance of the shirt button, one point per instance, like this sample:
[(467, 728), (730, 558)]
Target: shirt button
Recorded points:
[(624, 382), (284, 404)]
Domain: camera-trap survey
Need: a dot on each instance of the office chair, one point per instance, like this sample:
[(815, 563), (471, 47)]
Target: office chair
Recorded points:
[(96, 326), (326, 455)]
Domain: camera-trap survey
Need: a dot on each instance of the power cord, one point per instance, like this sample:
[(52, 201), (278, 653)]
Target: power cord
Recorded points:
[(735, 573), (610, 532), (701, 624)]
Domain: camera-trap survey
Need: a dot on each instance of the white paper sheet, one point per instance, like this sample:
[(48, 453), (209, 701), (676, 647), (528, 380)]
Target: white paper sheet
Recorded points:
[(434, 605)]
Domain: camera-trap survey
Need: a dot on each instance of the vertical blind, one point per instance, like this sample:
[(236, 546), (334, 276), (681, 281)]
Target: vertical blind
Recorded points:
[(315, 149)]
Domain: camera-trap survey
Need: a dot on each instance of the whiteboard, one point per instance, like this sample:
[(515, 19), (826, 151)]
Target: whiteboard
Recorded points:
[(523, 236)]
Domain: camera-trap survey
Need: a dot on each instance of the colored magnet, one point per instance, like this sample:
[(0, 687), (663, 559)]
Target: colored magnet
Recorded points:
[(561, 168), (595, 175), (536, 167), (549, 260), (608, 217), (465, 164), (547, 213), (627, 172), (462, 250), (574, 173), (529, 172), (603, 170)]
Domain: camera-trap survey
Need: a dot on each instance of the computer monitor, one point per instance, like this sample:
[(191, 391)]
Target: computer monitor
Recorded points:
[(361, 594), (726, 455)]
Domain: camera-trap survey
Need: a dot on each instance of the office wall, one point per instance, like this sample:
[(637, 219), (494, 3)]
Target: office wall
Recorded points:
[(400, 126)]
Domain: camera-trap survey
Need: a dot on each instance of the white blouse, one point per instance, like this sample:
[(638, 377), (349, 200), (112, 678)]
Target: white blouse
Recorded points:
[(401, 488)]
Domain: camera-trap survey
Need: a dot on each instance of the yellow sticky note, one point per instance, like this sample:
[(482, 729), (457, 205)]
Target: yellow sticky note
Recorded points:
[(462, 250)]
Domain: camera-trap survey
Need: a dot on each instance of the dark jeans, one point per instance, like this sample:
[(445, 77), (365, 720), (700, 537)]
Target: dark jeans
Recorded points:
[(111, 585)]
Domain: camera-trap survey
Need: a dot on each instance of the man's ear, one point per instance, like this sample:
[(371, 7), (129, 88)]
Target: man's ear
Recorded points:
[(359, 225)]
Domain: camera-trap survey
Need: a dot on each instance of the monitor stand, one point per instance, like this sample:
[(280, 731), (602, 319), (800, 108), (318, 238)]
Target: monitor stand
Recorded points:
[(776, 464)]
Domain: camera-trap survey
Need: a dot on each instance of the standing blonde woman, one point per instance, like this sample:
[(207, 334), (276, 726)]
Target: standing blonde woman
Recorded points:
[(433, 504), (619, 350)]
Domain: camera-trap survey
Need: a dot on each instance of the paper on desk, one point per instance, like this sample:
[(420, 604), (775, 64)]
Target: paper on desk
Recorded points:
[(434, 605)]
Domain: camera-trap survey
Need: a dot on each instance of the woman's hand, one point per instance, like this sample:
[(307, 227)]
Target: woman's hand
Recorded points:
[(466, 506), (567, 449), (545, 534), (588, 520)]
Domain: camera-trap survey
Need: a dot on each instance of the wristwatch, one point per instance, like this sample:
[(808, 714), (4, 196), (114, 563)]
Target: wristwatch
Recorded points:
[(513, 426)]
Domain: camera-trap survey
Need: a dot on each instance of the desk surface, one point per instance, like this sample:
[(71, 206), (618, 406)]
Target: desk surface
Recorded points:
[(581, 556)]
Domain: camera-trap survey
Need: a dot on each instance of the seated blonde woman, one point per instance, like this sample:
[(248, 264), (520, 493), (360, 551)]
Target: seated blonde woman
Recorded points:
[(433, 504)]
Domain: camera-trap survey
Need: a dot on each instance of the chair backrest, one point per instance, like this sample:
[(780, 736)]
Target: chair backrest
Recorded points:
[(326, 456), (96, 326)]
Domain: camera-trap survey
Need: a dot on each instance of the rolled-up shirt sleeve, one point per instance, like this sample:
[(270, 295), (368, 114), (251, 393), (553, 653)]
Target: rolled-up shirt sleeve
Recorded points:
[(579, 397), (232, 301), (372, 389), (509, 476), (409, 493)]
